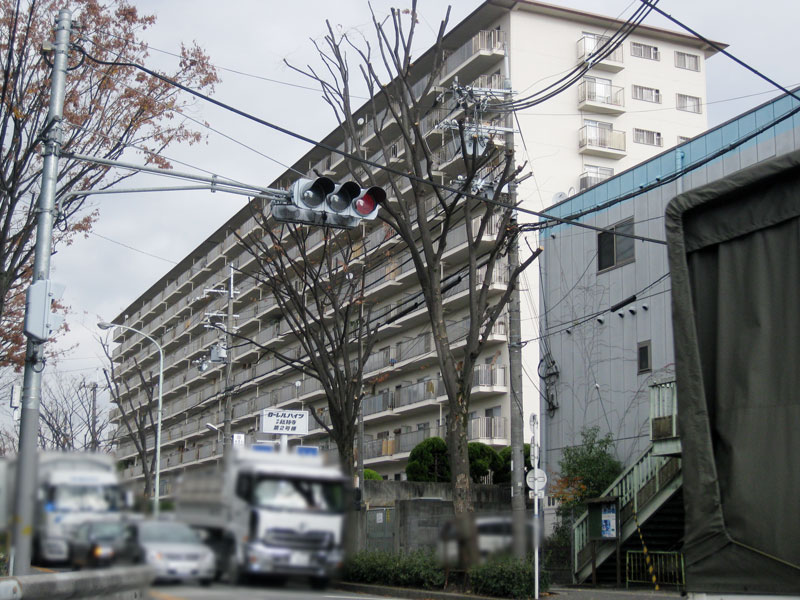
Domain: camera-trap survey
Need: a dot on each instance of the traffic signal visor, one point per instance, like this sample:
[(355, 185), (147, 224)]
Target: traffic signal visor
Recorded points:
[(310, 193)]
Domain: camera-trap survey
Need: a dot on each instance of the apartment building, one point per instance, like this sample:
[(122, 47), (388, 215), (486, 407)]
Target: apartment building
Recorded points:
[(648, 94)]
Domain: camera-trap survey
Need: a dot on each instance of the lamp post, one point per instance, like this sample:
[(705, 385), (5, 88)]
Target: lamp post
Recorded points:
[(156, 493)]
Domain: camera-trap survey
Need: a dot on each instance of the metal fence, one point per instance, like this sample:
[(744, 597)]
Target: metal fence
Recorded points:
[(667, 568)]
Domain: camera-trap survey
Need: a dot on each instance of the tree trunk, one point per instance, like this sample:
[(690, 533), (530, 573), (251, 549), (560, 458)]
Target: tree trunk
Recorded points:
[(462, 490)]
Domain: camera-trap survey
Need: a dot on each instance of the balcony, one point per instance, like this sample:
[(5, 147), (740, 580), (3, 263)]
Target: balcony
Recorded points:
[(601, 98), (597, 141), (588, 180), (475, 57), (591, 45)]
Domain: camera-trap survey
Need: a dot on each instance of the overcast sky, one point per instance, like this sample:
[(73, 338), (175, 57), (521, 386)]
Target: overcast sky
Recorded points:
[(138, 238)]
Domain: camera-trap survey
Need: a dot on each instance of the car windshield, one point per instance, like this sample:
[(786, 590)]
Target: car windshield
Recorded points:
[(106, 531), (97, 498), (162, 531), (298, 494)]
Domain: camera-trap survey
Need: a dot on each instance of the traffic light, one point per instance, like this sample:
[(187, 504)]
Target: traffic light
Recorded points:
[(322, 202), (40, 320)]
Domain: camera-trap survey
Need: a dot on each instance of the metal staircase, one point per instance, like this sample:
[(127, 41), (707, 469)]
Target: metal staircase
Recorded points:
[(649, 486)]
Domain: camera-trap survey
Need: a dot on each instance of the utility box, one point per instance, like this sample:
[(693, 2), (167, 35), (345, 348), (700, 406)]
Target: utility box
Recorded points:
[(603, 518)]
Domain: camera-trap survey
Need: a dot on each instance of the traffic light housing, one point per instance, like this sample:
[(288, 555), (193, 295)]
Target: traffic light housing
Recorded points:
[(323, 202)]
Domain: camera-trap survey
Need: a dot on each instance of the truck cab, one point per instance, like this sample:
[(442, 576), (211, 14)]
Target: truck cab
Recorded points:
[(272, 513)]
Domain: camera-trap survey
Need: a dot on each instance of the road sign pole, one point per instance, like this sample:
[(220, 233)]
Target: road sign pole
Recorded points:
[(536, 493)]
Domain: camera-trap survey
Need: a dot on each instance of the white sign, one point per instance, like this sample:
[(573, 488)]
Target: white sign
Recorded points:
[(536, 480), (238, 440), (288, 422)]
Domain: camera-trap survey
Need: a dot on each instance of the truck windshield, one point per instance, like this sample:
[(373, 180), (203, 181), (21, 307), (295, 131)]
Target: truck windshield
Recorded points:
[(97, 498), (298, 494)]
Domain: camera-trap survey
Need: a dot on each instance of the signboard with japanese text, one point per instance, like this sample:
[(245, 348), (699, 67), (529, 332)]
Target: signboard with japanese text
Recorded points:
[(285, 422), (238, 440)]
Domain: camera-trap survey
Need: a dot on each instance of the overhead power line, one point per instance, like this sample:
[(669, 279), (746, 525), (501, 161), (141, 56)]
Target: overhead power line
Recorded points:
[(359, 159)]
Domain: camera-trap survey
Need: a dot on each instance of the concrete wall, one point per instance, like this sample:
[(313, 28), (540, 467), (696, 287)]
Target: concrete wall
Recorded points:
[(119, 583), (389, 493)]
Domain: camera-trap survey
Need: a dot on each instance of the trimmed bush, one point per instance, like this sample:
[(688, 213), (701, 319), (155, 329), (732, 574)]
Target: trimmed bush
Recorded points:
[(482, 460), (503, 473), (417, 569), (429, 461), (506, 577), (374, 475)]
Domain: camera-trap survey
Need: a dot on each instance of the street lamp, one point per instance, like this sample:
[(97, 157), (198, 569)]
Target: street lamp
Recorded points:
[(105, 325)]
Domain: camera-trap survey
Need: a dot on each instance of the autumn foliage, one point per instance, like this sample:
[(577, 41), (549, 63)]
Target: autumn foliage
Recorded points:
[(109, 111)]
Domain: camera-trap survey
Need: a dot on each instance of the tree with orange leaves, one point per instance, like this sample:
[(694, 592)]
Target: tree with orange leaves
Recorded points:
[(108, 111)]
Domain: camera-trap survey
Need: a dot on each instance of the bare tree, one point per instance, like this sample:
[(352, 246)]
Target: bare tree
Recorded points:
[(137, 416), (316, 276), (70, 418), (424, 214)]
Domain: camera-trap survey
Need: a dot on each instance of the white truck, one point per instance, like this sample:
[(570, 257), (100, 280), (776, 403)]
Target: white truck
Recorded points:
[(73, 488), (269, 513)]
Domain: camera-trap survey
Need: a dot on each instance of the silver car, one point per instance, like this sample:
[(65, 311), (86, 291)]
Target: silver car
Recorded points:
[(173, 550)]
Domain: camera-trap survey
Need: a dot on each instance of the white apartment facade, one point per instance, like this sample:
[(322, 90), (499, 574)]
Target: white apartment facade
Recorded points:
[(646, 96)]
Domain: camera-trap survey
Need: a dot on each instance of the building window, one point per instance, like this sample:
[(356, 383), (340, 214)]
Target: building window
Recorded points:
[(614, 250), (645, 136), (687, 61), (594, 175), (645, 51), (643, 357), (647, 94), (687, 103)]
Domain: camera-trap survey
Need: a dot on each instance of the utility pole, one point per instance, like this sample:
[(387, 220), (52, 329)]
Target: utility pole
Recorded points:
[(227, 440), (515, 358), (94, 418), (27, 463)]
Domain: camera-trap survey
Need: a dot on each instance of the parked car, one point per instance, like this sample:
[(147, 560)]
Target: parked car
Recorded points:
[(100, 544), (173, 550), (494, 537)]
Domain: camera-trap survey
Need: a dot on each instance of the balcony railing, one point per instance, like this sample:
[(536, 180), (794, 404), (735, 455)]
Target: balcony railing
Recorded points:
[(602, 138), (591, 91), (589, 45), (492, 40), (663, 411)]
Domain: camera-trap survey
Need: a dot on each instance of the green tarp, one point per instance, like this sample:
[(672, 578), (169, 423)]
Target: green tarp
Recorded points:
[(734, 254)]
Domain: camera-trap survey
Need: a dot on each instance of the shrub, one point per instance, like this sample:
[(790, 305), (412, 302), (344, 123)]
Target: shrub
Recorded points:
[(506, 577), (482, 460), (429, 461), (418, 569), (370, 474), (503, 472)]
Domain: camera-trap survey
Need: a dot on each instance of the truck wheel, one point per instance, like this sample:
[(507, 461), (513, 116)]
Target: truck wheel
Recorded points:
[(234, 572), (319, 583)]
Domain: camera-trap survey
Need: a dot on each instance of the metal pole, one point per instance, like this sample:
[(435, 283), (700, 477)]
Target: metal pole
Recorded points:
[(227, 439), (94, 444), (157, 493), (157, 490), (360, 405), (27, 464), (535, 465), (515, 366)]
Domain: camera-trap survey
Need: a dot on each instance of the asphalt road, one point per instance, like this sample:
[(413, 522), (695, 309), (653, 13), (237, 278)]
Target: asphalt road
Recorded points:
[(258, 591)]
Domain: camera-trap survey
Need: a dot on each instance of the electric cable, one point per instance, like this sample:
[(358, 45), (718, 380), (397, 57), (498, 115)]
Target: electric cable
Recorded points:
[(354, 157)]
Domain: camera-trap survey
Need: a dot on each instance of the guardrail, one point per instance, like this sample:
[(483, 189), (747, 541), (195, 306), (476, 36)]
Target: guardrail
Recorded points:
[(118, 583)]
